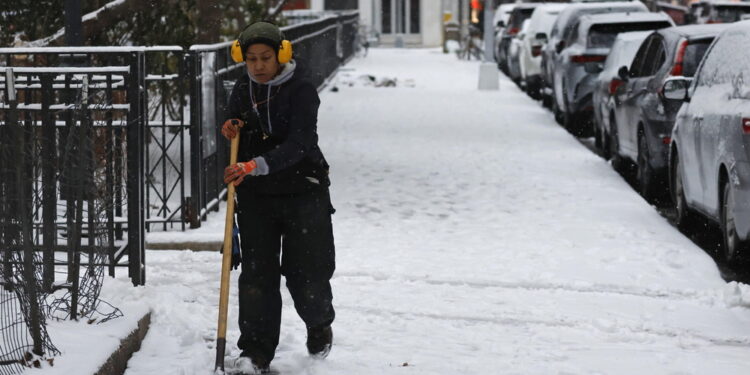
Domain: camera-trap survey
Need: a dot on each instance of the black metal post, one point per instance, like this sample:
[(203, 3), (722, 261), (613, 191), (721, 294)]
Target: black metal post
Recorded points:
[(196, 142), (49, 185), (136, 115)]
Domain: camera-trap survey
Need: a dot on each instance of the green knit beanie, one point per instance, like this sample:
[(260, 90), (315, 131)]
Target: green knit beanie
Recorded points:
[(261, 32)]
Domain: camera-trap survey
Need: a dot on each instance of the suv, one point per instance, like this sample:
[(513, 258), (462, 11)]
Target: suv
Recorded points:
[(718, 12), (520, 13), (532, 44), (578, 65), (710, 150), (623, 51), (643, 117), (564, 25)]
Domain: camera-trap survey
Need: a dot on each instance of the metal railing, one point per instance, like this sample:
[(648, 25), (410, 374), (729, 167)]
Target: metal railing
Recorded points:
[(163, 107)]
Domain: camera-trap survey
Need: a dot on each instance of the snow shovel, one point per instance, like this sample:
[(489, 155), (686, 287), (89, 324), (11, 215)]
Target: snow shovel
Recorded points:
[(226, 265)]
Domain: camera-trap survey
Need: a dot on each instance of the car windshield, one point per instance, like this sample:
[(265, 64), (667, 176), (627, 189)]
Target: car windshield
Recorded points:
[(728, 14), (693, 55), (603, 35), (521, 15)]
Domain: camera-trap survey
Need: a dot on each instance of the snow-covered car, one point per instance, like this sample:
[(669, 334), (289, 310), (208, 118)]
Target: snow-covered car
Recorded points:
[(531, 45), (578, 65), (502, 15), (622, 53), (710, 150), (521, 12), (643, 117), (514, 51), (562, 27), (718, 12)]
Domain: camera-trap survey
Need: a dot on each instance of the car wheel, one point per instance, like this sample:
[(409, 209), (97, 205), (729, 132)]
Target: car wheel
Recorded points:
[(618, 162), (556, 109), (644, 173), (606, 151), (573, 122), (597, 137), (733, 246), (684, 217)]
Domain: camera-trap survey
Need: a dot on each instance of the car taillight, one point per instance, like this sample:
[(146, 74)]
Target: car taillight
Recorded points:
[(666, 140), (614, 84), (513, 31), (536, 50), (746, 125), (679, 59), (714, 21), (582, 59)]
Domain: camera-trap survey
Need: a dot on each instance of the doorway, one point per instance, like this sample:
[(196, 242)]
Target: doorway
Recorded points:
[(401, 18)]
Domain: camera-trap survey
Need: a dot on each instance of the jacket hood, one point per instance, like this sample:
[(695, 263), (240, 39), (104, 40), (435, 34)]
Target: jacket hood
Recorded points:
[(287, 72)]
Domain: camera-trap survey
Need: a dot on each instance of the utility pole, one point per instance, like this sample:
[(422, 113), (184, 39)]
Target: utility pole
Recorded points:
[(489, 78)]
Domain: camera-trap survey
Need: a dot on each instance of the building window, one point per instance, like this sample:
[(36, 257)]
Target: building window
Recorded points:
[(414, 15), (386, 16)]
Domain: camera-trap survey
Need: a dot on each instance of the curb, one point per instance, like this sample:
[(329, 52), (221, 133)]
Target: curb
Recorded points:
[(195, 246), (118, 361)]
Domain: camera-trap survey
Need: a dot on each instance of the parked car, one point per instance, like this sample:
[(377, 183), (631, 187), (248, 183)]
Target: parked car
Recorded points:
[(710, 150), (562, 27), (531, 44), (718, 12), (502, 15), (521, 12), (579, 63), (643, 117), (622, 53), (514, 50)]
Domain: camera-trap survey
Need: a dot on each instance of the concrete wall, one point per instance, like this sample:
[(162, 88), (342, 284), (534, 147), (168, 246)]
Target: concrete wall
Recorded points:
[(432, 22)]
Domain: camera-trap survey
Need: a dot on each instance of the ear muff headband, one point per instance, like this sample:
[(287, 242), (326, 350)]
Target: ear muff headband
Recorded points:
[(285, 52), (284, 56)]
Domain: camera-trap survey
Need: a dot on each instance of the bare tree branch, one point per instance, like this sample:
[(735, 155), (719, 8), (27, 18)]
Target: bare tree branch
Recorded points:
[(272, 12)]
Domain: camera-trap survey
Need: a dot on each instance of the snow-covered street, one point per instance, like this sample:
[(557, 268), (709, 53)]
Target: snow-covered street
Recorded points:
[(473, 236)]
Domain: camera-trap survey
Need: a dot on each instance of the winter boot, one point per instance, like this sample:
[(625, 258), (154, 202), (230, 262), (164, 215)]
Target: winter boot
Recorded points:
[(319, 341), (247, 365)]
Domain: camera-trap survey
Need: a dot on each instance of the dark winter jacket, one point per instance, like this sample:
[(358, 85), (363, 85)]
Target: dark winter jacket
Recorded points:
[(283, 136)]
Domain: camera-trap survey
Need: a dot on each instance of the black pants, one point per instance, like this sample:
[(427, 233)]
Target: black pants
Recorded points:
[(288, 235)]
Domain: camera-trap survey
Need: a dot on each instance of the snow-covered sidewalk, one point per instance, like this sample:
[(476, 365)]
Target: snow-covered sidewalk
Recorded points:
[(474, 236)]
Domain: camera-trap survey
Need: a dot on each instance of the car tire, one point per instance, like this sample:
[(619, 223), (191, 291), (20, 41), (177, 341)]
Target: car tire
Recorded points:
[(556, 109), (619, 164), (606, 152), (644, 173), (733, 246), (598, 143), (685, 219)]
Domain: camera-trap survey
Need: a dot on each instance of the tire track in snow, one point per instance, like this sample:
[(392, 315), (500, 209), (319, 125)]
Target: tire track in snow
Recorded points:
[(613, 329), (674, 295)]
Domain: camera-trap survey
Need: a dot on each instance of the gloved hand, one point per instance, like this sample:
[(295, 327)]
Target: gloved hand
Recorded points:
[(235, 173), (231, 127)]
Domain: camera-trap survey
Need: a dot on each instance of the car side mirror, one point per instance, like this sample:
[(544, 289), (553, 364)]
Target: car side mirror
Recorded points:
[(676, 88), (542, 37), (623, 73), (593, 67), (500, 24), (560, 46)]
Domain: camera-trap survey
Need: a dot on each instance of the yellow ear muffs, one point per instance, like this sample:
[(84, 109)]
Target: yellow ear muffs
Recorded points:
[(285, 52), (237, 52)]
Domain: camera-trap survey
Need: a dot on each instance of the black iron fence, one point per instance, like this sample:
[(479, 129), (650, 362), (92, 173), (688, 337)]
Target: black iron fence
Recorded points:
[(99, 145)]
